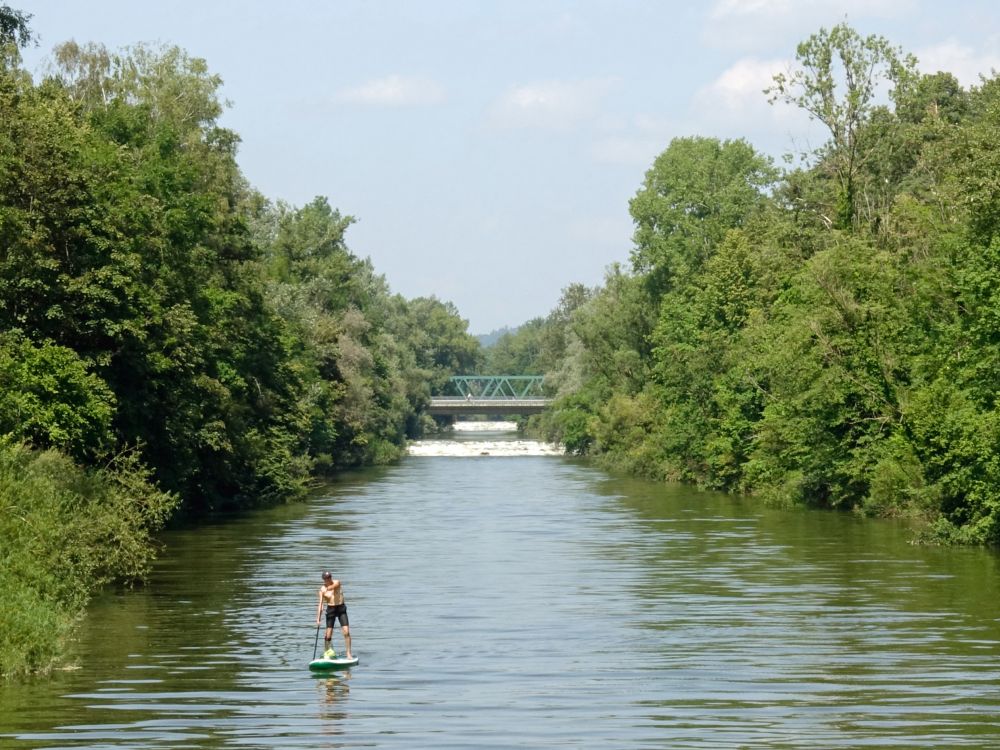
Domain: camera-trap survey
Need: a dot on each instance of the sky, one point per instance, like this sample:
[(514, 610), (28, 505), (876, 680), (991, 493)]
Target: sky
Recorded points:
[(489, 148)]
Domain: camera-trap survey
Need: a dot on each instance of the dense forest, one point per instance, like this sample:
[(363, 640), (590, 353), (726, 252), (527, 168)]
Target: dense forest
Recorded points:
[(175, 344), (172, 343), (826, 334)]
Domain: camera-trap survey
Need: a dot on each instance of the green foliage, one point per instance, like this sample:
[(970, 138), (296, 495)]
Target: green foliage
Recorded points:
[(547, 345), (831, 338), (245, 346), (978, 163), (168, 332), (439, 338), (369, 359), (630, 435), (48, 398), (829, 60), (696, 191), (572, 424), (518, 352), (957, 443), (63, 533), (14, 28)]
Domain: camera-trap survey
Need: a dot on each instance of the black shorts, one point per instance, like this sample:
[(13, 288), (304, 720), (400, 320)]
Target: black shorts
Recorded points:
[(336, 612)]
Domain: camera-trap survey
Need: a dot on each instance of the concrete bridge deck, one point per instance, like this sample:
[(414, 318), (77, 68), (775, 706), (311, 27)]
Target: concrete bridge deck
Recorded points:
[(461, 406)]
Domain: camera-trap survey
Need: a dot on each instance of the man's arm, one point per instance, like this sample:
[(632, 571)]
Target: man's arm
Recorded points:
[(319, 607)]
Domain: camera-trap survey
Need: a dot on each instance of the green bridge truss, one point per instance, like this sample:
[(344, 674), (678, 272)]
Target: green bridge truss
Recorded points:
[(496, 387)]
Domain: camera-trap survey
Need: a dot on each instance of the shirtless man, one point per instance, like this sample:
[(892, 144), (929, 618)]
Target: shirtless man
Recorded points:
[(331, 594)]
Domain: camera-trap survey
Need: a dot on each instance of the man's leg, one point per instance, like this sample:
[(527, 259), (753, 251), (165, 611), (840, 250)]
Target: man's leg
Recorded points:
[(347, 640), (328, 640)]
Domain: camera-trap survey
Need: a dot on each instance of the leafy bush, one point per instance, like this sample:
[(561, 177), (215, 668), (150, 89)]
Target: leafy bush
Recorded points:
[(48, 398), (64, 532)]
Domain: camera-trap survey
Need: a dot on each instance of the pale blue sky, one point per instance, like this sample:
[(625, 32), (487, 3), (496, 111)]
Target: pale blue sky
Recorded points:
[(489, 149)]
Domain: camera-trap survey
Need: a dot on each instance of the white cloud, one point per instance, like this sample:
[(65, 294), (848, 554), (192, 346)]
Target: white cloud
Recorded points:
[(740, 87), (964, 62), (737, 97), (770, 9), (756, 25), (550, 105), (394, 91), (734, 105), (729, 8)]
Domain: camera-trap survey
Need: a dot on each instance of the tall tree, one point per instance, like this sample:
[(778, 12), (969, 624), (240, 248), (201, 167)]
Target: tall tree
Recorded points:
[(837, 83), (14, 28), (696, 191)]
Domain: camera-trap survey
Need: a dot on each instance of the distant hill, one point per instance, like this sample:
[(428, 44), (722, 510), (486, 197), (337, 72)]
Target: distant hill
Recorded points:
[(487, 340)]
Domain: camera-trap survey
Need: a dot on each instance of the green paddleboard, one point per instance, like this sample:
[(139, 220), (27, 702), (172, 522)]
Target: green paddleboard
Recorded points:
[(326, 665)]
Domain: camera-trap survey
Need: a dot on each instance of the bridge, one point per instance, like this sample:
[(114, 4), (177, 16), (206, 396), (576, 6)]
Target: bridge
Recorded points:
[(491, 394)]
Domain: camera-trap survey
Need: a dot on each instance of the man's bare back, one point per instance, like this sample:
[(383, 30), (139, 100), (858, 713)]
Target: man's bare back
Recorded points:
[(332, 593)]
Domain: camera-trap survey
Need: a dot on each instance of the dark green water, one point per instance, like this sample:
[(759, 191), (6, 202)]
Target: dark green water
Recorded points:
[(533, 602)]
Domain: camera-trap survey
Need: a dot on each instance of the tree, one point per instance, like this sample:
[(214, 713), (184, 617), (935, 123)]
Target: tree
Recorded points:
[(440, 338), (829, 60), (696, 191), (517, 352), (14, 27), (48, 399)]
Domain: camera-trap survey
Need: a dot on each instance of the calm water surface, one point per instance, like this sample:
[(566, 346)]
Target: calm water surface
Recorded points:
[(530, 601)]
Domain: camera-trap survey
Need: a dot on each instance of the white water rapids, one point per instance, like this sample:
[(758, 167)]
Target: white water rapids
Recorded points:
[(483, 439)]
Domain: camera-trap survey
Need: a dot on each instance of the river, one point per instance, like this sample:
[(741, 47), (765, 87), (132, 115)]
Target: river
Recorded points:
[(504, 596)]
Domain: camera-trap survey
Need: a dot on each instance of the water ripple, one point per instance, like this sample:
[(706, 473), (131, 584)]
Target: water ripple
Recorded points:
[(534, 602)]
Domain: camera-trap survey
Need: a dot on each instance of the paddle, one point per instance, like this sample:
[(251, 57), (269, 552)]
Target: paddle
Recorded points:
[(316, 641)]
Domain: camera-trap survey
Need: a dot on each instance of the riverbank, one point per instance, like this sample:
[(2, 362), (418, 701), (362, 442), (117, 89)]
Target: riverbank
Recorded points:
[(64, 533)]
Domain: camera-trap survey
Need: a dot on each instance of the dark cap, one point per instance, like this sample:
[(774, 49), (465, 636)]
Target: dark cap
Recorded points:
[(326, 574)]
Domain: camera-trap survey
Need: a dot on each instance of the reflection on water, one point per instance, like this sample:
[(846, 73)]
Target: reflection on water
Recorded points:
[(535, 602), (333, 692)]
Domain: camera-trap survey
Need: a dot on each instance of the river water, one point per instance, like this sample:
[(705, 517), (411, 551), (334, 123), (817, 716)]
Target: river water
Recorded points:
[(501, 596)]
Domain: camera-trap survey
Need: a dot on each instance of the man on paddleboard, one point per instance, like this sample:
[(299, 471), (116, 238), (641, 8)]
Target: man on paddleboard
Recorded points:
[(331, 594)]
